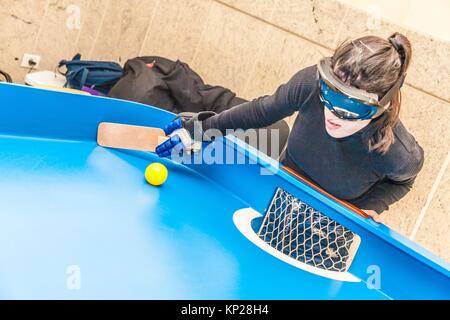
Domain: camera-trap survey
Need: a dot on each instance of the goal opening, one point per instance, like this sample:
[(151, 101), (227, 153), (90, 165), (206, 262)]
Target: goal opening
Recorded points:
[(299, 231)]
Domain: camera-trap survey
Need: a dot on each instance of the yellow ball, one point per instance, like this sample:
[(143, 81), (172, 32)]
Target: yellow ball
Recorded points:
[(156, 174)]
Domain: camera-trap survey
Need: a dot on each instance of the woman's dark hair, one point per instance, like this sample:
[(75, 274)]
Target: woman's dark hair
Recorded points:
[(375, 64)]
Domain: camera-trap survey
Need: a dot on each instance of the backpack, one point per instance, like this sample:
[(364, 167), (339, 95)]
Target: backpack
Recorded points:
[(98, 75), (170, 85)]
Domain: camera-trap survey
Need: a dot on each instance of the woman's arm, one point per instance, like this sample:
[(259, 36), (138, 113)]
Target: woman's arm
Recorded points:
[(266, 110), (258, 113), (382, 195), (394, 187)]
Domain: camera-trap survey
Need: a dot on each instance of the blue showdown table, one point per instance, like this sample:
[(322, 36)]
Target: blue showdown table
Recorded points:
[(79, 221)]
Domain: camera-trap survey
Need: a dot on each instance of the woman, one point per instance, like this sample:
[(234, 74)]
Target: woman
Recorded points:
[(347, 137)]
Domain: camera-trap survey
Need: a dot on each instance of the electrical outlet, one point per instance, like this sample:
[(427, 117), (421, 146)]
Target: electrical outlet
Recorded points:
[(30, 61)]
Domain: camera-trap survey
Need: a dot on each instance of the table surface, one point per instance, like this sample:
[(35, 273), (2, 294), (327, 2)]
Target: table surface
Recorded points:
[(102, 232), (78, 221)]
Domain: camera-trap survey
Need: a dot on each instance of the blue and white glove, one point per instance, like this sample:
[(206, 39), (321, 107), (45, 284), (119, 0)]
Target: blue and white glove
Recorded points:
[(185, 133)]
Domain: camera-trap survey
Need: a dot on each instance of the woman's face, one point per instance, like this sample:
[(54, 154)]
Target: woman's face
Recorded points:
[(339, 128)]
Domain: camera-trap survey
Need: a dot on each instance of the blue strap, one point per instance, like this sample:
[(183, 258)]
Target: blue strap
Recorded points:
[(165, 148), (173, 125), (84, 77)]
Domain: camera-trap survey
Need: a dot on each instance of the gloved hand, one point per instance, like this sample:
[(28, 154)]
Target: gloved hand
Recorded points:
[(185, 132)]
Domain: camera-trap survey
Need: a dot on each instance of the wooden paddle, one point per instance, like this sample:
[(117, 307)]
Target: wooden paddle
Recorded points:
[(123, 136)]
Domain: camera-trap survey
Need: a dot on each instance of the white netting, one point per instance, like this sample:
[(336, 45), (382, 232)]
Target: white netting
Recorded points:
[(305, 234)]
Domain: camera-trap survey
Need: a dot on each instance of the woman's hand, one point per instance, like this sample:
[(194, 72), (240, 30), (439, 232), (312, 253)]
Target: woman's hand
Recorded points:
[(375, 216), (183, 132)]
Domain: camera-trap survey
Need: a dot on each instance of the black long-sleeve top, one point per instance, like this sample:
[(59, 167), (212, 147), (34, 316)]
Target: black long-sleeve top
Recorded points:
[(343, 167)]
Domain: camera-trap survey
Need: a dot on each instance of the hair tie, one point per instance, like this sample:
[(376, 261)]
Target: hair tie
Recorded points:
[(398, 47)]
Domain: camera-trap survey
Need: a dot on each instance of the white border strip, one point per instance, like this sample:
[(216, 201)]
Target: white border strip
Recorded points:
[(243, 221)]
